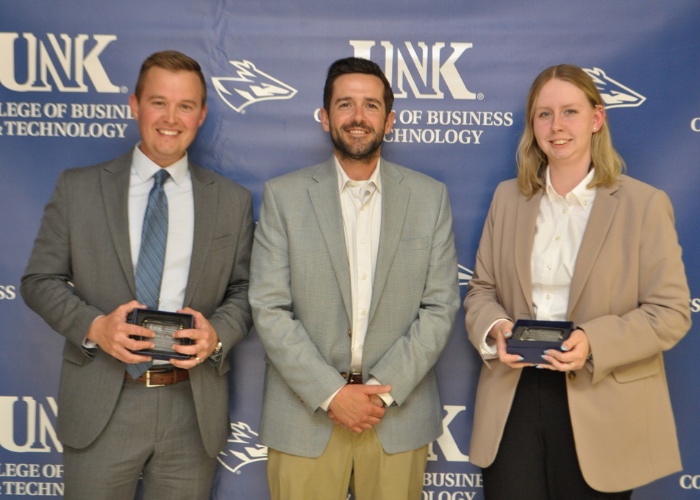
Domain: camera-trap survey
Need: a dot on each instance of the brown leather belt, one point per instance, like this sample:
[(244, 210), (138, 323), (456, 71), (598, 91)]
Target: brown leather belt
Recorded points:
[(161, 378), (352, 378)]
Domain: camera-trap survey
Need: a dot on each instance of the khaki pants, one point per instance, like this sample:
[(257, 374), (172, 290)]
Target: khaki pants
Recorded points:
[(349, 460)]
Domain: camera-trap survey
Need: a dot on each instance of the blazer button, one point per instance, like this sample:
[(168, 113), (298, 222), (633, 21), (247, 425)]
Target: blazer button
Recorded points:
[(344, 375), (571, 375), (349, 333)]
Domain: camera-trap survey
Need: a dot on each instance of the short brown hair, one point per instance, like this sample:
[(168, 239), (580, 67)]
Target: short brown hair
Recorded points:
[(171, 60), (351, 65), (532, 162)]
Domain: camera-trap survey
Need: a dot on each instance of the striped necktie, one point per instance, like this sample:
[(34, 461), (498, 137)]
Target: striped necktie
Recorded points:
[(149, 269)]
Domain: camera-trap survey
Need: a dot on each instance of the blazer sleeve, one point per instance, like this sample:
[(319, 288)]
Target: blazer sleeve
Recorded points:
[(406, 363), (232, 319), (46, 284), (662, 315), (285, 339), (483, 303)]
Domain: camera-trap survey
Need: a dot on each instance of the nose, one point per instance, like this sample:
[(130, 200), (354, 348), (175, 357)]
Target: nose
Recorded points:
[(170, 113), (557, 122), (359, 114)]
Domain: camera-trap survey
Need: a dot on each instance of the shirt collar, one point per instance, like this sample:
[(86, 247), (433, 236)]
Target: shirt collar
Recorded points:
[(581, 194), (343, 178), (145, 168)]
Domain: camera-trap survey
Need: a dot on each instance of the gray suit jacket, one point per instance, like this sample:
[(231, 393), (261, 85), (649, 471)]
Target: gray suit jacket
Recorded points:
[(628, 293), (81, 267), (301, 300)]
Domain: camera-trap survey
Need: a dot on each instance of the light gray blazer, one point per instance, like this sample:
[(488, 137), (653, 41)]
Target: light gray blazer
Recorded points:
[(81, 267), (301, 300)]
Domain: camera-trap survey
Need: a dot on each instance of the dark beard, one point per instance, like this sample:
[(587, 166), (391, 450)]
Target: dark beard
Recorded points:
[(364, 153)]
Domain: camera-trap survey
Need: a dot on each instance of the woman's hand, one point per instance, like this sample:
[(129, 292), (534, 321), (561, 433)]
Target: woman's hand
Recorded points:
[(500, 332), (572, 356)]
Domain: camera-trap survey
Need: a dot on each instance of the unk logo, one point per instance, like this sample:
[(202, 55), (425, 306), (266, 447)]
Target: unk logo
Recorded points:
[(250, 86), (464, 275), (614, 94), (28, 426), (422, 69), (243, 448), (66, 63), (447, 443)]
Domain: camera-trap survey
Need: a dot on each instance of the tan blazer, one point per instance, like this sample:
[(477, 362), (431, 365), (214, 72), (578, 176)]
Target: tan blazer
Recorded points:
[(628, 293)]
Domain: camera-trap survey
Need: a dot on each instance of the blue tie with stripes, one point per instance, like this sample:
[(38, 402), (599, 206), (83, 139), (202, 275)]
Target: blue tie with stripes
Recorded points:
[(149, 269)]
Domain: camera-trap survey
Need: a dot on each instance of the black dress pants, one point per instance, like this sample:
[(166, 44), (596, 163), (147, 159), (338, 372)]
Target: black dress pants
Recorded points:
[(537, 459)]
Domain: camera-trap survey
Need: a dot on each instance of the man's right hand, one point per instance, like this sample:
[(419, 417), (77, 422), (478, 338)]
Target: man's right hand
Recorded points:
[(112, 334), (353, 407)]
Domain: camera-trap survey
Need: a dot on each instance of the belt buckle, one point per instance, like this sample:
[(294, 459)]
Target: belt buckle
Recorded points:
[(148, 380)]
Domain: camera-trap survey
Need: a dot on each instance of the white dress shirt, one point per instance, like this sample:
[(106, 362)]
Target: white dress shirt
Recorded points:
[(361, 207), (561, 222), (178, 249)]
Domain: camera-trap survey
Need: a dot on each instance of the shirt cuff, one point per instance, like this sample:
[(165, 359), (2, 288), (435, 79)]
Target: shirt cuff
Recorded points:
[(386, 397), (89, 344), (327, 402), (489, 351)]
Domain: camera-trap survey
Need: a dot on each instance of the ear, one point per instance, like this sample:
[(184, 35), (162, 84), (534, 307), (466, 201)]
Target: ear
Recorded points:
[(598, 117), (203, 114), (325, 120), (389, 123), (134, 105)]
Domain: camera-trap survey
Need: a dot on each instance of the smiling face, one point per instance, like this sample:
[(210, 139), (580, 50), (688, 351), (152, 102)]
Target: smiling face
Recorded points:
[(564, 121), (169, 113), (357, 118)]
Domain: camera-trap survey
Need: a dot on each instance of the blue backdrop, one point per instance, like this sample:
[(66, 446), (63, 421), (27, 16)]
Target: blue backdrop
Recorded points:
[(460, 70)]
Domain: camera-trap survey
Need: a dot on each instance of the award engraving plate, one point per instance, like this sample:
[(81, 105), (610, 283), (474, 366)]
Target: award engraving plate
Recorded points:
[(531, 338), (163, 324), (541, 334)]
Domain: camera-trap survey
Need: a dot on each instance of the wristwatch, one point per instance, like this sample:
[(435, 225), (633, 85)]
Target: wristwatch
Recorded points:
[(216, 354)]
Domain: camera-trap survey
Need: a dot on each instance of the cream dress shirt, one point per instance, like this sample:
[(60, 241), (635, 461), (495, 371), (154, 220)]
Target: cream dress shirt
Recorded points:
[(561, 222)]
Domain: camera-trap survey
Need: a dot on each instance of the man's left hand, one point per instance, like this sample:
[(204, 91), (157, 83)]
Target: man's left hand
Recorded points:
[(204, 337)]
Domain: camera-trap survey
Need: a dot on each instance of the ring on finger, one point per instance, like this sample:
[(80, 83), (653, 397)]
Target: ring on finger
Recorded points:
[(198, 360)]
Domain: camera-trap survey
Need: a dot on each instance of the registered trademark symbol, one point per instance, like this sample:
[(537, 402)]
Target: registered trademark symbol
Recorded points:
[(124, 89), (480, 96), (238, 473)]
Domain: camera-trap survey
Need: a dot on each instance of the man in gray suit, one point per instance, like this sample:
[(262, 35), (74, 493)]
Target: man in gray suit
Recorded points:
[(354, 295), (170, 423)]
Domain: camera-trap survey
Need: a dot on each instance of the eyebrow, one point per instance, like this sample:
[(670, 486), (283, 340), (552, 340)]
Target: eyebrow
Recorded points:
[(366, 99), (157, 96), (569, 105)]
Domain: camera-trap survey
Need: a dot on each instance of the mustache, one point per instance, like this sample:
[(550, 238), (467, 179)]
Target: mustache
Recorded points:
[(361, 125)]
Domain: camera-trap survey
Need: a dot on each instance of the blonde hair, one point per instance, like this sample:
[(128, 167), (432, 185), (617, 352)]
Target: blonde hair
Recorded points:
[(532, 162)]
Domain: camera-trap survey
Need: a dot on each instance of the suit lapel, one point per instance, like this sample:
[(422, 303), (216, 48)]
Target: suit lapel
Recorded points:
[(114, 181), (602, 214), (395, 199), (525, 224), (326, 204), (206, 200)]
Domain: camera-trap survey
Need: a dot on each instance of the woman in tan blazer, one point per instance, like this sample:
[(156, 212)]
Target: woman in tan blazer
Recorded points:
[(572, 239)]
